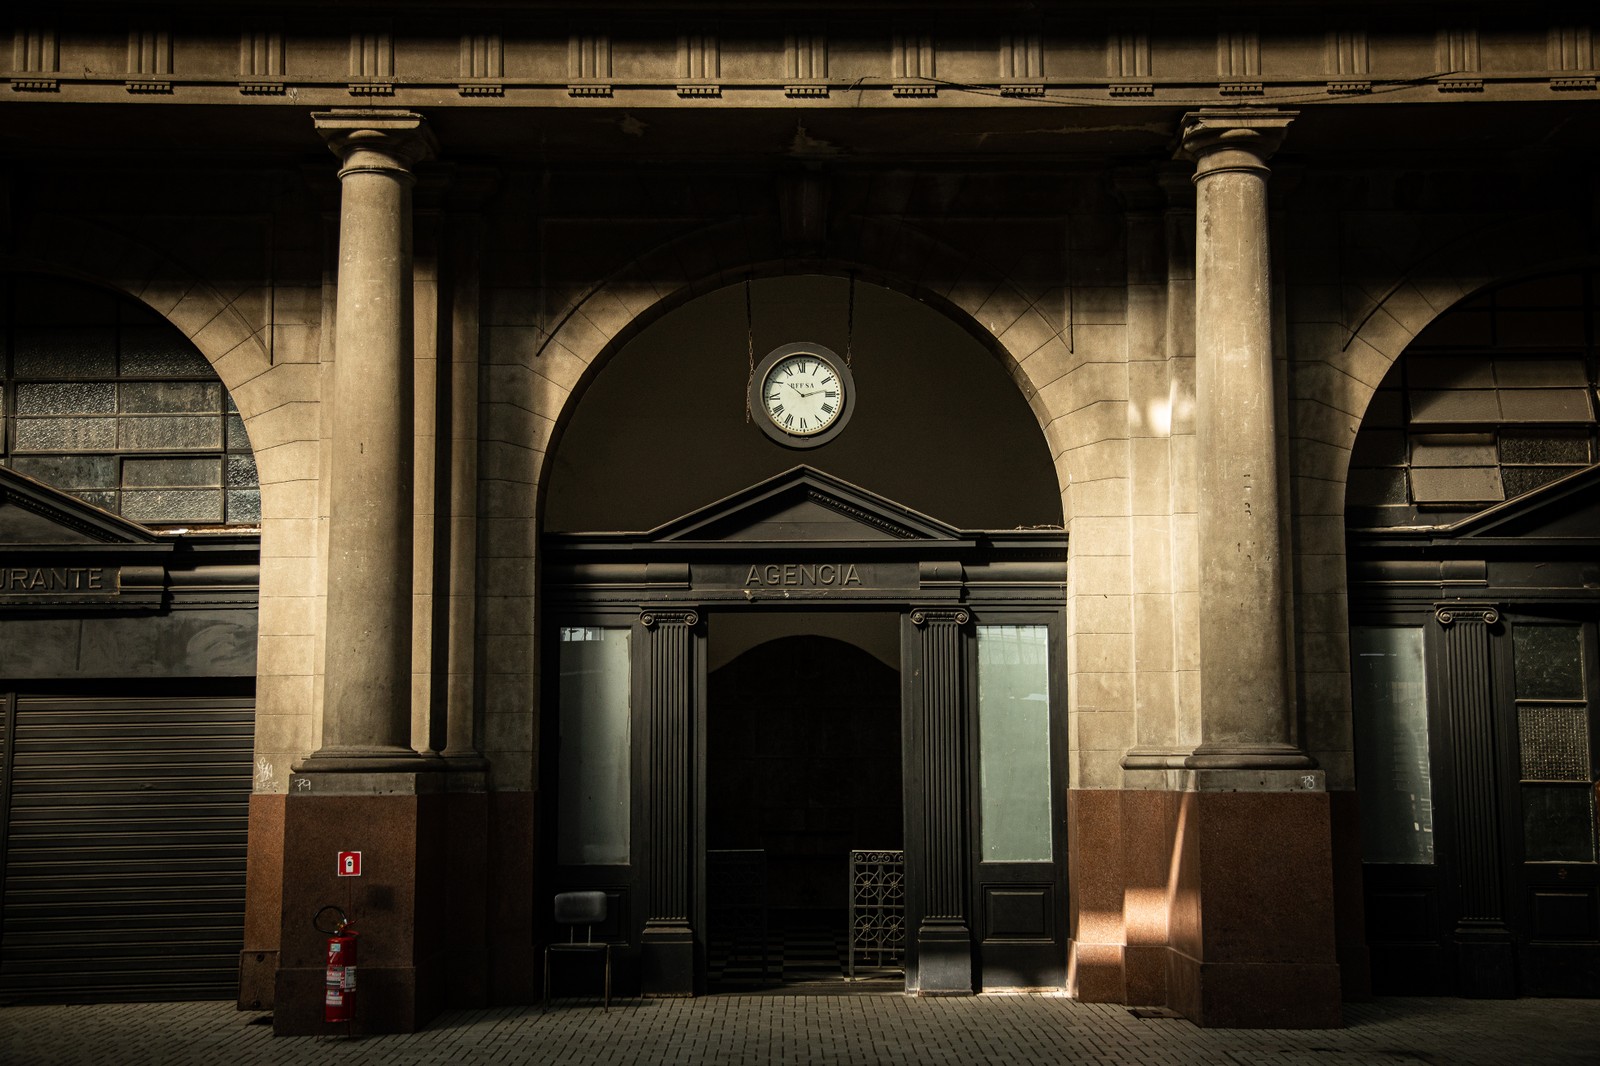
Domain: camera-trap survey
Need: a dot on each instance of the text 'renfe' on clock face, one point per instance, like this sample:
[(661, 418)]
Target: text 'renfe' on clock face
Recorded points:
[(802, 394)]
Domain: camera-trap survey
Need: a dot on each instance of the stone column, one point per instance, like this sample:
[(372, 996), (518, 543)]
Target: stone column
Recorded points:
[(1244, 698), (367, 681), (365, 789)]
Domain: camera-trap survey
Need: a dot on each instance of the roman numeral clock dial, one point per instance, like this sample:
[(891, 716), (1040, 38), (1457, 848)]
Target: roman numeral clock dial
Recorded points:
[(802, 395)]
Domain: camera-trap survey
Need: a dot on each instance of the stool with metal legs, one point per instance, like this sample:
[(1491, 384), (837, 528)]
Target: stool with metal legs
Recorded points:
[(573, 909)]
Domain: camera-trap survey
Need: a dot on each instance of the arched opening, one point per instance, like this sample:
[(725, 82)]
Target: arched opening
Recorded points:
[(1473, 519), (808, 652), (803, 765)]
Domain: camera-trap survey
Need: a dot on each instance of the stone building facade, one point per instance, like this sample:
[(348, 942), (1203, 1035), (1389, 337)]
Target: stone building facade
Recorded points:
[(1138, 279)]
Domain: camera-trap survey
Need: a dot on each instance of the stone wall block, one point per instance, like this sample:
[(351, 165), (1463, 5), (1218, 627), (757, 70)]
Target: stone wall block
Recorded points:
[(1150, 475), (1313, 419), (290, 461), (1002, 309), (1102, 613), (1031, 331), (1094, 497), (296, 420), (1320, 459)]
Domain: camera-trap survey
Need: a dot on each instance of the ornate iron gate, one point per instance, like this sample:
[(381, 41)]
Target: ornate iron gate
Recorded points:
[(877, 910)]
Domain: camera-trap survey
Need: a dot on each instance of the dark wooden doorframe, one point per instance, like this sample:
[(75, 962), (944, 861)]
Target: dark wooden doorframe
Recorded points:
[(803, 540)]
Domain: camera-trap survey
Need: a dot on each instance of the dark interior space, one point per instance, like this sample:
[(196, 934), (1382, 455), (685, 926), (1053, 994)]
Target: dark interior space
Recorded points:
[(803, 754)]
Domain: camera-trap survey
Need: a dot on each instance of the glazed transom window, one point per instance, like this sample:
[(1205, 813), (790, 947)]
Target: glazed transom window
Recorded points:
[(1495, 398), (102, 398)]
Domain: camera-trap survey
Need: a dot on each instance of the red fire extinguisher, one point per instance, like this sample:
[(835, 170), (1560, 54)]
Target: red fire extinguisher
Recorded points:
[(339, 1000)]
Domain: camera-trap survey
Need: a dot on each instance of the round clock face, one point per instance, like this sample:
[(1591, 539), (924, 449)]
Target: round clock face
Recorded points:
[(801, 394)]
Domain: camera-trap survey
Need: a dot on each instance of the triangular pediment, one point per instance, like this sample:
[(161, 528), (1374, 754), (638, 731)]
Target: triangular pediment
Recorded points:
[(804, 504), (34, 514), (1564, 510)]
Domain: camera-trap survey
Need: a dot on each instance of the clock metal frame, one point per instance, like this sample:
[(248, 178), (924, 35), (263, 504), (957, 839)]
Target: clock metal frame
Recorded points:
[(757, 392)]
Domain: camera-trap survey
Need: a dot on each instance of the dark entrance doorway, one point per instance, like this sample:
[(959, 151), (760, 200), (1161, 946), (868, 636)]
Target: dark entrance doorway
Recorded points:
[(804, 754), (965, 630)]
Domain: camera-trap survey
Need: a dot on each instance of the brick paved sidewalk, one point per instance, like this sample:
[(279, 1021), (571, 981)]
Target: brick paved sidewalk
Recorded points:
[(1004, 1030)]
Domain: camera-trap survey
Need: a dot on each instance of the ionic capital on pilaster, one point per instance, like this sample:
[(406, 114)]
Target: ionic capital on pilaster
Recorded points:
[(940, 616), (1224, 139), (669, 616), (1448, 614), (367, 139)]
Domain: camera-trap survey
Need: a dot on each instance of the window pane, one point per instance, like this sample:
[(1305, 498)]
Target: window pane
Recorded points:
[(1391, 713), (1546, 405), (238, 439), (242, 472), (595, 728), (67, 398), (1375, 487), (160, 352), (170, 433), (1530, 372), (65, 353), (1524, 447), (1555, 741), (87, 434), (171, 397), (1462, 405), (1558, 823), (244, 506), (171, 473), (1463, 485), (70, 471), (1448, 372), (1452, 449), (1014, 742), (1520, 479), (172, 505), (1548, 661)]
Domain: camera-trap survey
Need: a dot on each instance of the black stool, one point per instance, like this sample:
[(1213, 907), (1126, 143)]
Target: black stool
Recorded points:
[(573, 909)]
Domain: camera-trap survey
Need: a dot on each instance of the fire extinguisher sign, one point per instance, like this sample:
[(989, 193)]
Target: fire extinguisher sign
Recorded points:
[(349, 864)]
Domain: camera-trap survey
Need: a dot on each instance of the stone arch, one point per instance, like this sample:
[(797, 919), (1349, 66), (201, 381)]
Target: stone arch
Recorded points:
[(1351, 361), (214, 323), (1012, 322)]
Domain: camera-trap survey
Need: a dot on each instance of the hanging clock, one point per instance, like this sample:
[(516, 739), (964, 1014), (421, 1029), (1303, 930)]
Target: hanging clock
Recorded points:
[(802, 395)]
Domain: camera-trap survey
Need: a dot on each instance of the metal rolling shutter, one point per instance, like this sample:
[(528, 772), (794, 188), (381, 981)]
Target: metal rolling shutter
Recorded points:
[(125, 849)]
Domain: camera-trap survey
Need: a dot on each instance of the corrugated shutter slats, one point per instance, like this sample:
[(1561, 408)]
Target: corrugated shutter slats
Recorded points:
[(125, 856)]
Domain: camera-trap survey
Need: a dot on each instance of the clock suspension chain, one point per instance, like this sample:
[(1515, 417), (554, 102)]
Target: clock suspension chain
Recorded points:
[(750, 348), (850, 321)]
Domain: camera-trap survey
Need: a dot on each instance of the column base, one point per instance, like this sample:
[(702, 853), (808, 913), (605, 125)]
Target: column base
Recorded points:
[(667, 959), (347, 760), (397, 906), (1254, 995), (944, 959), (1486, 963), (1252, 940)]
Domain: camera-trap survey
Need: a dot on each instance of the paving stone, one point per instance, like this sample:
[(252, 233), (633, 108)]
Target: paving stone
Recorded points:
[(1011, 1030)]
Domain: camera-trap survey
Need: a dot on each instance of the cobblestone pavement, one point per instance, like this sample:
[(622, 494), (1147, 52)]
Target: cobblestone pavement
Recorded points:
[(1004, 1030)]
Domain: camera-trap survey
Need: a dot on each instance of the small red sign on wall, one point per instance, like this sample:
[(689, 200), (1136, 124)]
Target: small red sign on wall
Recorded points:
[(349, 864)]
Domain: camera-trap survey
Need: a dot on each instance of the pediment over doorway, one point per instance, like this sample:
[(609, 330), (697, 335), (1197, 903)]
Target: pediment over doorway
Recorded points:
[(1564, 510), (802, 537), (33, 514), (804, 505)]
